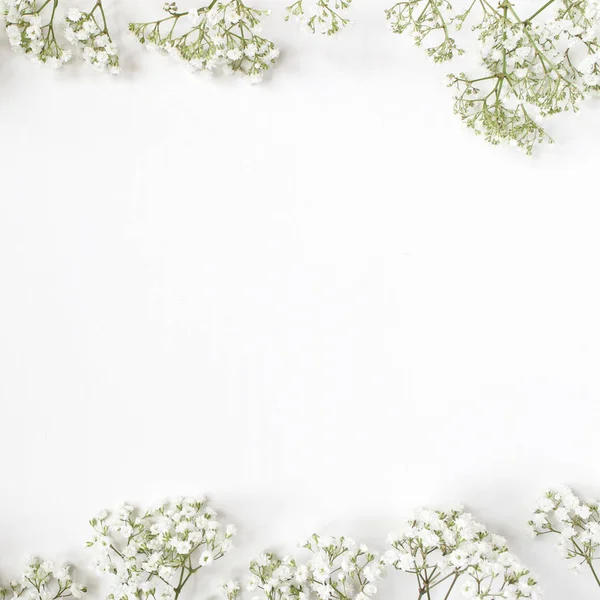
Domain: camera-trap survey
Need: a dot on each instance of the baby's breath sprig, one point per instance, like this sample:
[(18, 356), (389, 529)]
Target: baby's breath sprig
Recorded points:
[(153, 554), (231, 590), (30, 26), (89, 30), (576, 524), (486, 113), (323, 16), (524, 68), (423, 19), (338, 569), (581, 21), (533, 67), (221, 35), (450, 551), (42, 580)]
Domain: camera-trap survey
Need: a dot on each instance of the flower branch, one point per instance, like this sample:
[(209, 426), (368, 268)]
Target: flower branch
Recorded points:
[(576, 524), (42, 580), (219, 36), (323, 16), (31, 30), (89, 31), (533, 68), (153, 554), (338, 569), (442, 549)]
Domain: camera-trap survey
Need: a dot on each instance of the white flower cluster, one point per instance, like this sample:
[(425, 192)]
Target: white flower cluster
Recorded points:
[(154, 554), (320, 16), (443, 548), (223, 35), (576, 523), (42, 580), (29, 34), (582, 22), (532, 65), (533, 68), (93, 38), (424, 19), (231, 589), (339, 569)]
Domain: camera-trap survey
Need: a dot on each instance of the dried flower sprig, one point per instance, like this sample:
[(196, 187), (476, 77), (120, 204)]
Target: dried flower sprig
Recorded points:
[(339, 569), (221, 35), (444, 548), (89, 31), (42, 580), (154, 554), (534, 68), (577, 524), (321, 16), (31, 30)]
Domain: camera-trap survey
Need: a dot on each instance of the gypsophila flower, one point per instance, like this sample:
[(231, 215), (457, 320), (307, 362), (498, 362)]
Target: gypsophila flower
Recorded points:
[(534, 68), (489, 113), (320, 16), (339, 569), (231, 589), (423, 19), (89, 31), (30, 26), (576, 524), (222, 36), (43, 580), (153, 554), (450, 550)]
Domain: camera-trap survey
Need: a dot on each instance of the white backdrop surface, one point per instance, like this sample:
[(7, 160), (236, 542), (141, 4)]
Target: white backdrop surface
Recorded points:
[(319, 300)]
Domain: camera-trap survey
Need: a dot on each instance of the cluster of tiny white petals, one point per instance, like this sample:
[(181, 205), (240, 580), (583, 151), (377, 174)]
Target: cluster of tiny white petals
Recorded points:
[(153, 554), (43, 580), (223, 37), (30, 35), (338, 569), (580, 26), (576, 523), (320, 16), (231, 589), (533, 68), (422, 20), (453, 551), (93, 39), (532, 64)]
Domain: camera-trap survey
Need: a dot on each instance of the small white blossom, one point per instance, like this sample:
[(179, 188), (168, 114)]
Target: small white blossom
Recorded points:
[(320, 16), (210, 41), (89, 31), (334, 562), (30, 35), (165, 544), (576, 524), (43, 581), (535, 65), (441, 548), (74, 15)]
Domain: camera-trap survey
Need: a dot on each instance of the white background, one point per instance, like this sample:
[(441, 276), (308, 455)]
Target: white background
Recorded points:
[(319, 300)]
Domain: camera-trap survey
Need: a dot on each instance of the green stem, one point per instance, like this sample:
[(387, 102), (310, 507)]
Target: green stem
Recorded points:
[(537, 12), (594, 572), (451, 586)]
